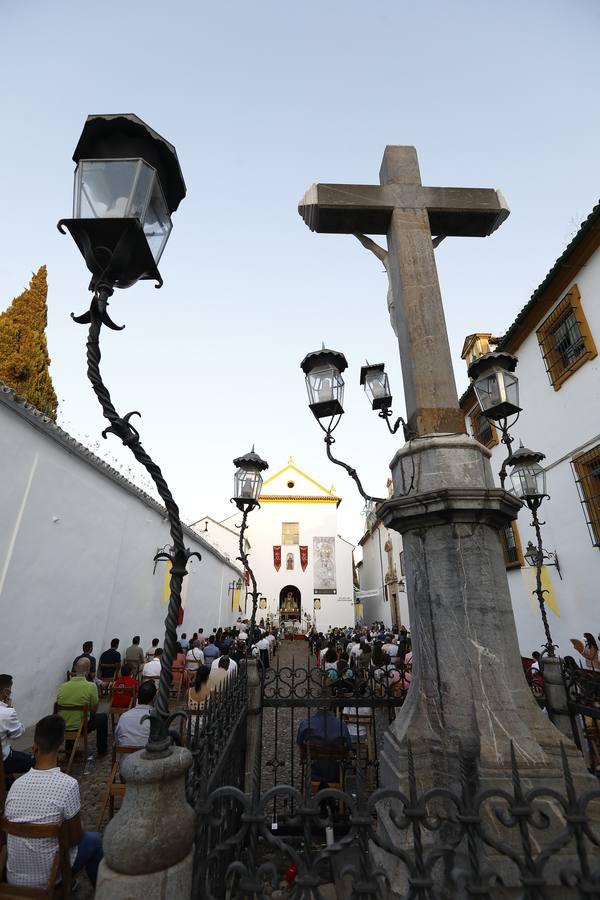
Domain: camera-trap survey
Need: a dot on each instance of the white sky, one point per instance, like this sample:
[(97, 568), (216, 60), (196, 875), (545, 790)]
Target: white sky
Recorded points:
[(261, 99)]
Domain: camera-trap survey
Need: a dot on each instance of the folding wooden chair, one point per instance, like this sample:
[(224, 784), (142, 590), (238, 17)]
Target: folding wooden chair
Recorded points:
[(61, 864), (74, 735), (361, 723), (327, 753), (107, 673), (115, 711), (114, 787), (179, 682)]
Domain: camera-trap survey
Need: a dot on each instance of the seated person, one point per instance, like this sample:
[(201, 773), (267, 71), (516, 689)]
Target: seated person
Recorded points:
[(211, 651), (152, 668), (15, 761), (324, 729), (121, 698), (225, 655), (78, 691), (150, 653), (130, 730), (87, 648), (194, 658), (220, 673), (110, 660), (134, 654), (42, 796)]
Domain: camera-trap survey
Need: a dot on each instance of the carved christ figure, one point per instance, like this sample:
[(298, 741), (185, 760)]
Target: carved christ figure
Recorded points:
[(382, 255)]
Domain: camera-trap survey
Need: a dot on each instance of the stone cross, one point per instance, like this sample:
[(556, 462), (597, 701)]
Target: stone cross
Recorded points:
[(410, 215)]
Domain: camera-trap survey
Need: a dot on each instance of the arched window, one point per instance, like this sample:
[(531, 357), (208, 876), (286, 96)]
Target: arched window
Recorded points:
[(289, 561)]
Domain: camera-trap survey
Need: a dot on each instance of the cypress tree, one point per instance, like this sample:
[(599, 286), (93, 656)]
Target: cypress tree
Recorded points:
[(24, 359)]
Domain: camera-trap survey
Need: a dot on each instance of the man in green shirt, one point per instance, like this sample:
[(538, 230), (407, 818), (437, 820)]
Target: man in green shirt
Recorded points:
[(77, 692)]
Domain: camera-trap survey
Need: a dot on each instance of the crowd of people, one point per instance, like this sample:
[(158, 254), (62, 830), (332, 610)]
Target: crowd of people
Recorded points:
[(39, 792)]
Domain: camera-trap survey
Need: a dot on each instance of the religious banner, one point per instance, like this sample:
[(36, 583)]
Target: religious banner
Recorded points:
[(246, 577), (236, 603), (324, 565), (303, 558), (277, 558)]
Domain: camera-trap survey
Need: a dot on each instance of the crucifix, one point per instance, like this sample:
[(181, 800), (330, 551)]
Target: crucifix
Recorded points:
[(414, 218)]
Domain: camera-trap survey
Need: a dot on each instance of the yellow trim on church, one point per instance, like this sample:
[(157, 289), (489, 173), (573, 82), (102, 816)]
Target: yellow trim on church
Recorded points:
[(304, 475), (286, 498)]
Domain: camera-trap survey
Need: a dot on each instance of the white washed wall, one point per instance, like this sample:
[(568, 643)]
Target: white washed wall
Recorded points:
[(316, 520), (372, 577), (558, 423), (76, 552)]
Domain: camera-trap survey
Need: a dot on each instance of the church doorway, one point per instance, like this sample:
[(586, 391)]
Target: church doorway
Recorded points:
[(290, 606)]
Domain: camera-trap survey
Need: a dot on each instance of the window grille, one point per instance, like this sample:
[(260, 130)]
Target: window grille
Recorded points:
[(511, 546), (565, 339), (586, 469), (290, 533), (483, 430)]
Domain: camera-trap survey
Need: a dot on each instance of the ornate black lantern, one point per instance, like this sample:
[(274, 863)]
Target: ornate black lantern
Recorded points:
[(528, 478), (127, 184), (496, 387), (248, 480), (377, 386), (324, 382)]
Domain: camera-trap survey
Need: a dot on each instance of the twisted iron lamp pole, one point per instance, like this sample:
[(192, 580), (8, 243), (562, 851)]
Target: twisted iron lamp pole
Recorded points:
[(179, 555), (243, 558), (533, 504), (248, 483)]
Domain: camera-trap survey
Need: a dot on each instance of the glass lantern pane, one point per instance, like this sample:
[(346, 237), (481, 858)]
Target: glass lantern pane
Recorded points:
[(157, 222), (511, 388), (488, 391), (324, 385), (104, 188), (247, 484), (377, 385), (141, 190)]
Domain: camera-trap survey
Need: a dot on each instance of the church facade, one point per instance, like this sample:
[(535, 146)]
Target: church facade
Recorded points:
[(303, 567)]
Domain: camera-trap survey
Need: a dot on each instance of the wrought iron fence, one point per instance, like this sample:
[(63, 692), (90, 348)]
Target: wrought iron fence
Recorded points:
[(583, 703), (216, 736), (294, 697), (440, 845)]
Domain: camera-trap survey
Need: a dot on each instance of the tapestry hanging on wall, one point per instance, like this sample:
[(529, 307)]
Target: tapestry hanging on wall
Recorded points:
[(324, 565)]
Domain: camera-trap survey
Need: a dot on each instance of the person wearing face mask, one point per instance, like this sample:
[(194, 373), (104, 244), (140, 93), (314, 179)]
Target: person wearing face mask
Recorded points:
[(15, 761)]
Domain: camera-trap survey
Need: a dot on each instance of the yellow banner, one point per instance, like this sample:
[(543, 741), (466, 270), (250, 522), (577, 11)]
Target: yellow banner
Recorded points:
[(235, 602), (166, 591), (550, 597)]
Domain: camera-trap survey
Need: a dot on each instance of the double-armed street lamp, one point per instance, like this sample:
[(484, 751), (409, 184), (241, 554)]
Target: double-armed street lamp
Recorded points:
[(325, 388), (497, 391), (246, 493), (128, 183)]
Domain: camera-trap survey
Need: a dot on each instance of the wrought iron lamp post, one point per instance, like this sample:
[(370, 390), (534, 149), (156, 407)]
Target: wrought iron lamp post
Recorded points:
[(528, 481), (373, 378), (128, 182), (325, 387), (497, 391), (247, 487)]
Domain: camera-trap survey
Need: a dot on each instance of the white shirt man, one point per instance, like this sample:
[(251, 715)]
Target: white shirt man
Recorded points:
[(194, 658), (390, 648), (10, 727), (130, 730), (263, 644), (152, 668), (232, 664)]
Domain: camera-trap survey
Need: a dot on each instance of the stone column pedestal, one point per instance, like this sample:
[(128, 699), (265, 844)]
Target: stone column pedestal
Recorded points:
[(467, 681), (253, 731), (148, 846)]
